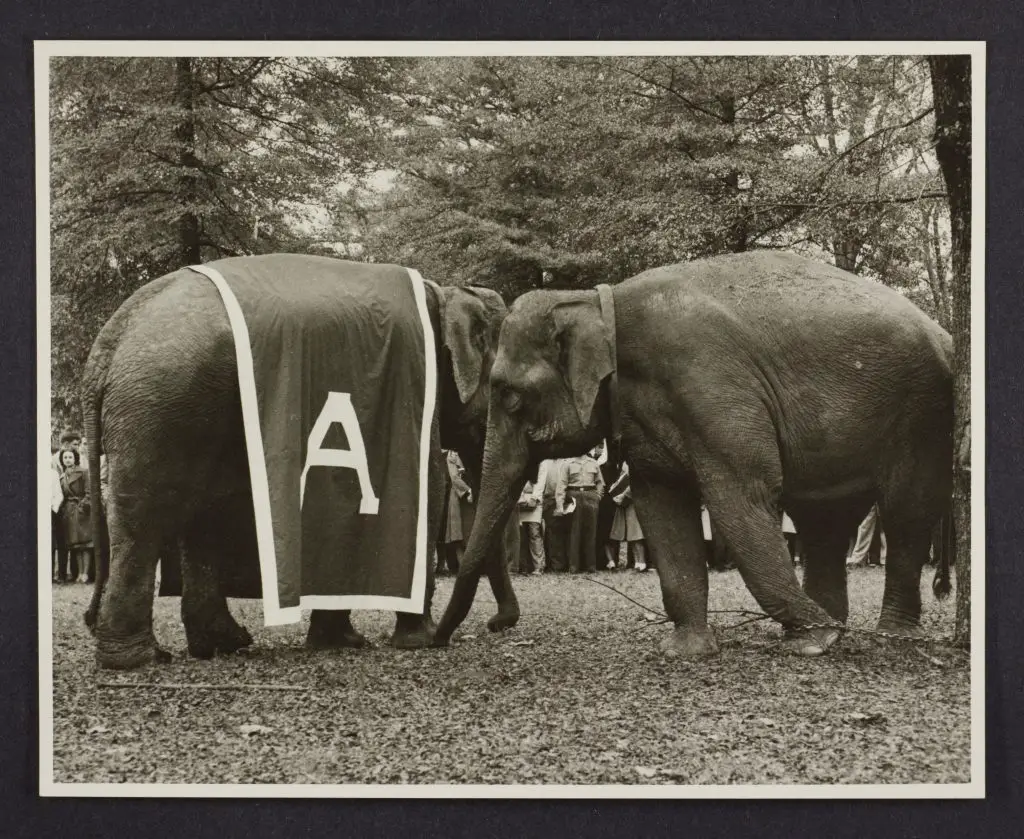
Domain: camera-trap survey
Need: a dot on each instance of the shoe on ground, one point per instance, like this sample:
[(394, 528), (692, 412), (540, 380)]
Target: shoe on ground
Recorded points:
[(640, 567)]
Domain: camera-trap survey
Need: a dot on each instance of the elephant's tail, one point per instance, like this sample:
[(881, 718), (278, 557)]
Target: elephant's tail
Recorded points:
[(943, 544), (93, 403)]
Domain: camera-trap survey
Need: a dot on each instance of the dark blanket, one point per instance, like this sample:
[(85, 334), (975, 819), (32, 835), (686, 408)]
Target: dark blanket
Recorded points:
[(338, 399)]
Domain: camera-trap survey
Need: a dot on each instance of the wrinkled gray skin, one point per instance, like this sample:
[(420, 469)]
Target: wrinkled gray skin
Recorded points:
[(758, 381), (161, 400)]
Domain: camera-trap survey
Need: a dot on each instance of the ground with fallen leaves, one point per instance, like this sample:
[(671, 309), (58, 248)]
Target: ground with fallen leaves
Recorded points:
[(576, 694)]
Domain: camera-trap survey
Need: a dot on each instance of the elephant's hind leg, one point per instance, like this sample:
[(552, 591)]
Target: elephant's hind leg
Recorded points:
[(825, 531), (913, 496), (210, 627), (907, 540), (124, 619)]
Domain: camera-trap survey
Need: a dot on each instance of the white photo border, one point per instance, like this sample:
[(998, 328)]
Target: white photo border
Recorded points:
[(47, 49)]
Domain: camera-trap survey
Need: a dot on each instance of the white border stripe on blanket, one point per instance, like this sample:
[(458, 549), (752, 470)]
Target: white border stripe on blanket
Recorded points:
[(419, 579), (273, 613), (251, 427)]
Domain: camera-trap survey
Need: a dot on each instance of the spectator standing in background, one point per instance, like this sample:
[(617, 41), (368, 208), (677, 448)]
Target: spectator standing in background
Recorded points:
[(555, 524), (580, 483), (866, 534), (458, 517), (606, 507), (792, 538), (58, 542), (531, 518), (626, 525), (76, 515)]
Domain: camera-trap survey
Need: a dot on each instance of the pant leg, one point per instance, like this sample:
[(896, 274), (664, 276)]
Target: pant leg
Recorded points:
[(89, 564), (525, 562), (588, 530), (554, 538), (60, 541), (865, 533), (575, 518), (535, 539)]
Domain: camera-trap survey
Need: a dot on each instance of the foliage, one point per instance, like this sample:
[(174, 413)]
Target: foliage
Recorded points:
[(516, 173), (520, 173), (157, 163)]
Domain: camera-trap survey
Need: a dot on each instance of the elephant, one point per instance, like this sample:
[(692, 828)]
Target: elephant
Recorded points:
[(757, 381), (161, 400)]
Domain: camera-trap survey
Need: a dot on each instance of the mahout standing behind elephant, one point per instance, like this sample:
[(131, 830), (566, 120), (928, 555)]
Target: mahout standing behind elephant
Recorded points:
[(756, 382), (161, 402)]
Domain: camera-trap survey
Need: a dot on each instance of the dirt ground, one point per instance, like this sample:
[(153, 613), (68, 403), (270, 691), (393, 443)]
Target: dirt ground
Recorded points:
[(576, 694)]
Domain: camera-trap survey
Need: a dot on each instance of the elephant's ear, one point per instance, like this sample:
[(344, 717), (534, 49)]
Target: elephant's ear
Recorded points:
[(463, 327), (585, 353)]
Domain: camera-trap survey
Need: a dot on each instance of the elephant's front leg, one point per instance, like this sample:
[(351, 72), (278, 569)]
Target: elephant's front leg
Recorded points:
[(332, 629), (412, 631), (753, 533), (210, 627), (670, 518), (416, 631)]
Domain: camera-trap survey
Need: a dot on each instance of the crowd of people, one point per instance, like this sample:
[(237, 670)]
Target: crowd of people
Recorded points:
[(575, 516)]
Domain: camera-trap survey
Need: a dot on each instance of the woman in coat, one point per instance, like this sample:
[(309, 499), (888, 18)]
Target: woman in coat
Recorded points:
[(458, 519), (75, 514), (626, 525)]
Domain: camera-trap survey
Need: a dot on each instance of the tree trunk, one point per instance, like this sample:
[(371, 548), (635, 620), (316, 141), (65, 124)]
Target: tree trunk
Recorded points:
[(951, 91), (739, 234), (188, 185)]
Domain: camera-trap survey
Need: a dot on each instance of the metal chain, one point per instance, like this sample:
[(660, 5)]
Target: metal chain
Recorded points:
[(877, 633)]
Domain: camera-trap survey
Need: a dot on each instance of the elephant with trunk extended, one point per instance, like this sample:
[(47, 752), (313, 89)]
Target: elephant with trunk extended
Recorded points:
[(757, 382), (162, 402)]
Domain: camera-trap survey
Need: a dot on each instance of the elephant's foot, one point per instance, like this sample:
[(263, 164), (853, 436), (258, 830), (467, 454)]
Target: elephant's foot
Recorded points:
[(688, 642), (413, 635), (128, 655), (811, 642), (332, 631), (219, 634), (904, 629), (506, 618)]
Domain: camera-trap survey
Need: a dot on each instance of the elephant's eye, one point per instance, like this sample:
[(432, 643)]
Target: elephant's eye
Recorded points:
[(511, 401)]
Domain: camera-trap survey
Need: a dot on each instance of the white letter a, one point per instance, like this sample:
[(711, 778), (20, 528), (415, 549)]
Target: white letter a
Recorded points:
[(338, 408)]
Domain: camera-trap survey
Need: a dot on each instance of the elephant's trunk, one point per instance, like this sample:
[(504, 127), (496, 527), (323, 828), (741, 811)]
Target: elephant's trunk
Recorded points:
[(506, 464)]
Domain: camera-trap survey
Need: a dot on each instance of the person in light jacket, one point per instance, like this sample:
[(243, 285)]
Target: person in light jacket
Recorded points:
[(531, 520)]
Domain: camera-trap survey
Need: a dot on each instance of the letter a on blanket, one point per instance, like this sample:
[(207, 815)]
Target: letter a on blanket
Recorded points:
[(338, 408), (338, 381)]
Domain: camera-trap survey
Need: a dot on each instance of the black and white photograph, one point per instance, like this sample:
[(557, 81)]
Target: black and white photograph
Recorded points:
[(511, 419)]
